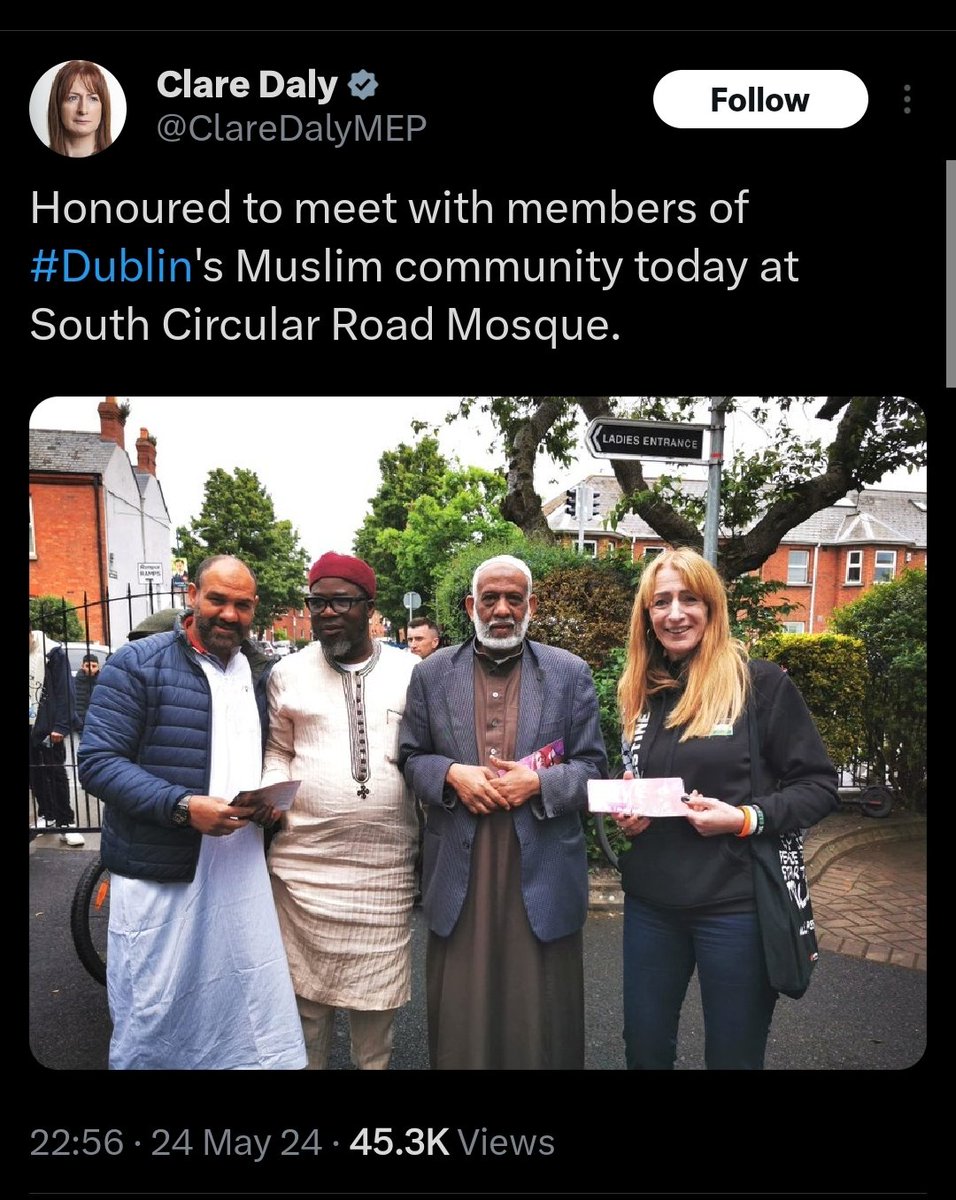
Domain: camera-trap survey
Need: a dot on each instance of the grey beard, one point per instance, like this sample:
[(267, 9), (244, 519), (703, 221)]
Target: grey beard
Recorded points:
[(484, 635), (339, 648)]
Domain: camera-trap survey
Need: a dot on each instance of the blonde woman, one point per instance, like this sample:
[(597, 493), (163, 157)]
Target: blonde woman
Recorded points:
[(685, 698)]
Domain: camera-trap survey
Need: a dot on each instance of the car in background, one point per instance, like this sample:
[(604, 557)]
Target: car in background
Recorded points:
[(280, 649)]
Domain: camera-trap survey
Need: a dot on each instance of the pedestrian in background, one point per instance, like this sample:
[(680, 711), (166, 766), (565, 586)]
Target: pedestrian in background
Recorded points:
[(52, 705), (687, 699), (84, 682), (423, 637)]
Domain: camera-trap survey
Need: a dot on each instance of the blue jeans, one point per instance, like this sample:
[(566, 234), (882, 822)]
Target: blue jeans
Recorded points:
[(661, 948)]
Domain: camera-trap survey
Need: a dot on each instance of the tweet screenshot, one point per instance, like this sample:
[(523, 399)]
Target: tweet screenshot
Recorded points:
[(477, 579)]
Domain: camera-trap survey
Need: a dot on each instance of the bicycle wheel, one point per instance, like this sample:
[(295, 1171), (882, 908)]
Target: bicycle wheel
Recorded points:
[(877, 800), (604, 839), (90, 918)]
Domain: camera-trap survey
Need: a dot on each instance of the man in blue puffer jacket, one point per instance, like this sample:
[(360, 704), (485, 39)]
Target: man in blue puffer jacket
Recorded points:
[(196, 973)]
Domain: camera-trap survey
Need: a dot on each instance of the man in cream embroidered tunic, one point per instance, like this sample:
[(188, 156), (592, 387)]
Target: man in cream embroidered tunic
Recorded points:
[(342, 864)]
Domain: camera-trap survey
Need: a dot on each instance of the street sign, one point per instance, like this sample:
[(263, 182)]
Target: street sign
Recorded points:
[(412, 600), (609, 438), (149, 572)]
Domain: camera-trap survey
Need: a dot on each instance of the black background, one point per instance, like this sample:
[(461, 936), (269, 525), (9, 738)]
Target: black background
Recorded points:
[(530, 114)]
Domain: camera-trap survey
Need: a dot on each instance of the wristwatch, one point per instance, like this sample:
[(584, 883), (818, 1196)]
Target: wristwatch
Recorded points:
[(181, 811)]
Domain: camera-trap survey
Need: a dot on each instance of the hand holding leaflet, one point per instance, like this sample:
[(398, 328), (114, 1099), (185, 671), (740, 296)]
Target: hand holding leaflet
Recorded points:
[(267, 801), (637, 797), (547, 756)]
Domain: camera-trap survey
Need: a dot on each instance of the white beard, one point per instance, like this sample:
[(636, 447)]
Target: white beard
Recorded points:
[(485, 636)]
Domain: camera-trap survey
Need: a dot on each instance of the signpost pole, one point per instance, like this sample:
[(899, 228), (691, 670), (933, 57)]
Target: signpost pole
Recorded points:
[(712, 514), (411, 601), (582, 500)]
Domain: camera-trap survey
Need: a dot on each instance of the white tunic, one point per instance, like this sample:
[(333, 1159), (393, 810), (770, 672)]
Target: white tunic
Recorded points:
[(342, 865), (198, 977)]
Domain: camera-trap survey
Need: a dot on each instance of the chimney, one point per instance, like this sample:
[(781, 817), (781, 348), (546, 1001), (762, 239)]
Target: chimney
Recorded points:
[(145, 453), (112, 421)]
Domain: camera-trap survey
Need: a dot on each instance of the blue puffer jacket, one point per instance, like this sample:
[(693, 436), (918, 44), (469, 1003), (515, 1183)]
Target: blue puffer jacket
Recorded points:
[(145, 745)]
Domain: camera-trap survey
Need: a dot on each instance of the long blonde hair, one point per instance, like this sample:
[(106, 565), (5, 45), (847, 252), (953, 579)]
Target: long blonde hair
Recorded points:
[(715, 678)]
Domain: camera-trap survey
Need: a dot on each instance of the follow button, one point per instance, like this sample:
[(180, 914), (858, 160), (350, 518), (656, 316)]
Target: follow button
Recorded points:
[(760, 99)]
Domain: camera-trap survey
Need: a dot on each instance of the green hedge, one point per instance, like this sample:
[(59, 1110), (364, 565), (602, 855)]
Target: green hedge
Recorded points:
[(830, 671)]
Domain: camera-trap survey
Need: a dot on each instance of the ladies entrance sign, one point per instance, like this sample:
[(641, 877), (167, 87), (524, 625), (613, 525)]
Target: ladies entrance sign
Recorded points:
[(608, 438)]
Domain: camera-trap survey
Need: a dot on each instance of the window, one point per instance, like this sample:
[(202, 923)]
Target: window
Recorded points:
[(590, 547), (33, 533), (798, 566), (651, 552), (793, 626), (884, 566), (854, 566)]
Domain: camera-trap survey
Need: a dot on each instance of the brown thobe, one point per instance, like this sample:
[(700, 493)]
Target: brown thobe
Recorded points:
[(498, 998)]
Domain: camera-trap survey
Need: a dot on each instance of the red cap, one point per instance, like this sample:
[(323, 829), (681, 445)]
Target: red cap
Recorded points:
[(344, 566)]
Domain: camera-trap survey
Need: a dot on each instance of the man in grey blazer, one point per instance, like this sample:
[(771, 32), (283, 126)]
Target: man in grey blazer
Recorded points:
[(505, 885)]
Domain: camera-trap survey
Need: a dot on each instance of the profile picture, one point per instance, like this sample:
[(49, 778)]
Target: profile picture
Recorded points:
[(77, 108)]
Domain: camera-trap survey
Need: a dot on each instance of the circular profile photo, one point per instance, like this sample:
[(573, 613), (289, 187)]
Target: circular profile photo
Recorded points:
[(77, 108)]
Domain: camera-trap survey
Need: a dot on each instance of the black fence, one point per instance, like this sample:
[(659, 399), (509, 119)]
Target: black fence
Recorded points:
[(54, 778)]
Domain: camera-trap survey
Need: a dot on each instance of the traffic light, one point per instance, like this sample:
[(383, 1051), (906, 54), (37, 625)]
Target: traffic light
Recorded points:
[(595, 504), (571, 504)]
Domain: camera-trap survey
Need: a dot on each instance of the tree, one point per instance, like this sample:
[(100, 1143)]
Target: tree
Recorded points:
[(407, 472), (763, 495), (890, 620), (463, 510), (238, 518), (425, 511)]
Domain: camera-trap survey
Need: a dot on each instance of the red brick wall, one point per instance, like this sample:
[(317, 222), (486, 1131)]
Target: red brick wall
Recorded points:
[(67, 559), (297, 628), (832, 591)]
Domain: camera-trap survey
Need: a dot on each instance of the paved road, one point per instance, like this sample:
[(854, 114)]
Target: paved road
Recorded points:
[(859, 1014)]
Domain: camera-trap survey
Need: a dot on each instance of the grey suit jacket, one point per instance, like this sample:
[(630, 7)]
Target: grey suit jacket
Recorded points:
[(557, 700)]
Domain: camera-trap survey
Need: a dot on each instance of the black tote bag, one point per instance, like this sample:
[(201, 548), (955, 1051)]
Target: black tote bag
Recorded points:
[(782, 895)]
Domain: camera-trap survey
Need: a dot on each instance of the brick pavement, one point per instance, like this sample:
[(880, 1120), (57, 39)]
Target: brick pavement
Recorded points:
[(871, 903)]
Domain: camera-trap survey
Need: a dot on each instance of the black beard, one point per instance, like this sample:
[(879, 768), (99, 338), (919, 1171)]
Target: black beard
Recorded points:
[(206, 627)]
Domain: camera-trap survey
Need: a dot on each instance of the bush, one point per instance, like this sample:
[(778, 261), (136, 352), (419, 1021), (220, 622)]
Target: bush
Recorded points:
[(585, 609), (890, 620), (830, 672), (56, 619)]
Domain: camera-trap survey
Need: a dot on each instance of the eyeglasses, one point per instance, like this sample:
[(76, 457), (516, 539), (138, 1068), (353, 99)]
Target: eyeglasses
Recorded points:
[(338, 604)]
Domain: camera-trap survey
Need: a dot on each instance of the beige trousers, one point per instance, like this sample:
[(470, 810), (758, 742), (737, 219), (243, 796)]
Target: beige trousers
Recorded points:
[(370, 1034)]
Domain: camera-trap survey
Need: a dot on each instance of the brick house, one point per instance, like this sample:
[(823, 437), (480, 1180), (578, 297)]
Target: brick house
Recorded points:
[(826, 561), (99, 525)]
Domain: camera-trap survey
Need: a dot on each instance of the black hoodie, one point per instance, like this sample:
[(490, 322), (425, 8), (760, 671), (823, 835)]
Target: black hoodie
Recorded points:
[(672, 866)]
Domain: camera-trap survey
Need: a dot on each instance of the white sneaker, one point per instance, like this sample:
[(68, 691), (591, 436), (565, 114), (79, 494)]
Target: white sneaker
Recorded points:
[(73, 839), (43, 823)]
